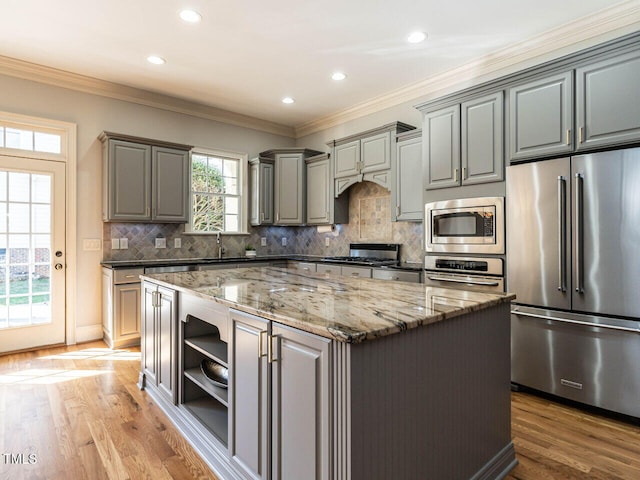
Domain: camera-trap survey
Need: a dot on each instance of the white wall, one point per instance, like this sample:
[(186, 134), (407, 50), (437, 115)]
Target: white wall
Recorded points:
[(93, 114)]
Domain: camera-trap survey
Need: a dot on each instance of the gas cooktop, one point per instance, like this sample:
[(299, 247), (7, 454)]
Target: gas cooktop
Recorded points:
[(369, 254)]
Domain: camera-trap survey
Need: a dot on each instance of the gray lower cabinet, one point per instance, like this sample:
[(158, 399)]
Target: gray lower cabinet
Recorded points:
[(541, 117), (280, 386), (608, 102), (361, 272), (464, 143), (261, 176), (395, 275), (121, 306), (144, 180), (329, 268), (159, 339), (406, 196), (306, 267), (323, 208)]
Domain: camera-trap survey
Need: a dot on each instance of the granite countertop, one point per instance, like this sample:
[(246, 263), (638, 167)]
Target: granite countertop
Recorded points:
[(165, 262), (346, 309)]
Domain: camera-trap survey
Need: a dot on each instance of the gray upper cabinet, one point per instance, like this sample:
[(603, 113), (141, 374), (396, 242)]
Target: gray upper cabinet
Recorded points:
[(347, 159), (441, 141), (144, 180), (366, 156), (608, 102), (322, 206), (127, 172), (540, 117), (261, 177), (464, 143), (482, 145), (170, 174), (407, 196), (289, 184)]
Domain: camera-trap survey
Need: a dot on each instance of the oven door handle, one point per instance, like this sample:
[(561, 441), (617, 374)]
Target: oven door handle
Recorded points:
[(466, 282)]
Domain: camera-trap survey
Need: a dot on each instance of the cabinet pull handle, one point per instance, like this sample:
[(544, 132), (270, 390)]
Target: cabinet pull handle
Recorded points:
[(355, 274), (260, 349), (580, 136), (455, 174), (147, 212), (262, 216), (397, 210), (270, 358), (464, 173), (568, 136), (130, 276)]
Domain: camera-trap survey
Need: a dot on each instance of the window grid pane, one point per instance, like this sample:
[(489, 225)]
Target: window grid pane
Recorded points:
[(215, 193)]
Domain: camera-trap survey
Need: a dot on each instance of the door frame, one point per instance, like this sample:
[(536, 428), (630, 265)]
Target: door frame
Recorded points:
[(68, 133)]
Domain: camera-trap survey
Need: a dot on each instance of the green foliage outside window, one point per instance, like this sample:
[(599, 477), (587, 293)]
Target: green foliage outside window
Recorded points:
[(214, 187)]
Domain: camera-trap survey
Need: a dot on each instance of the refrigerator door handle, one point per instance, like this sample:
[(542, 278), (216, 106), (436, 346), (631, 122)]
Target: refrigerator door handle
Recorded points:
[(562, 233), (515, 311), (579, 233)]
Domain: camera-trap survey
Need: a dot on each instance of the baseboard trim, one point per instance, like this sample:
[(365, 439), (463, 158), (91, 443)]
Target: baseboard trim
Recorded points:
[(499, 466), (87, 333)]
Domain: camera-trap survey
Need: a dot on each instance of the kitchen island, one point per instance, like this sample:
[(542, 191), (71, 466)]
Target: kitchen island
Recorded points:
[(331, 377)]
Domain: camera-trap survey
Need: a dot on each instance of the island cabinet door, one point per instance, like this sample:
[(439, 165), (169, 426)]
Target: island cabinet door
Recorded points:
[(148, 345), (300, 438), (249, 395), (166, 328)]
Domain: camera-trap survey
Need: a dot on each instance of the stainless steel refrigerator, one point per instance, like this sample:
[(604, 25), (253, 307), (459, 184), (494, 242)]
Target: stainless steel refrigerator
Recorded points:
[(573, 260)]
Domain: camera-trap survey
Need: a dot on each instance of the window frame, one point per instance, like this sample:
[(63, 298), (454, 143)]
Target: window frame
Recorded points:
[(243, 187)]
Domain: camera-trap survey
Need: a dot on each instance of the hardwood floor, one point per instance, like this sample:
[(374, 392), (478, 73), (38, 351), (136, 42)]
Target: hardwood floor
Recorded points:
[(76, 413), (556, 441)]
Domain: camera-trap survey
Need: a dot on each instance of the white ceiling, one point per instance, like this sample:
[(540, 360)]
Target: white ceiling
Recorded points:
[(246, 55)]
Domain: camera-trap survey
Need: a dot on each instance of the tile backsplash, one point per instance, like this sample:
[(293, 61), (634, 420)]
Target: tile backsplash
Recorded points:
[(369, 221)]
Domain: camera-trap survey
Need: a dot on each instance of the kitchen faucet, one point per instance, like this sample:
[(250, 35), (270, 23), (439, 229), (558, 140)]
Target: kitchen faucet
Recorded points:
[(220, 247)]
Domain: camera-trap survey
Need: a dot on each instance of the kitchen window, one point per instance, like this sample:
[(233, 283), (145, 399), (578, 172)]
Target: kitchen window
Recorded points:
[(217, 192)]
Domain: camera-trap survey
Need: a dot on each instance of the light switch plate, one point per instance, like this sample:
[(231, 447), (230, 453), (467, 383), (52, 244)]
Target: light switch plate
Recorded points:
[(91, 244), (284, 241), (263, 241), (161, 243), (177, 243), (327, 241), (115, 244), (124, 243)]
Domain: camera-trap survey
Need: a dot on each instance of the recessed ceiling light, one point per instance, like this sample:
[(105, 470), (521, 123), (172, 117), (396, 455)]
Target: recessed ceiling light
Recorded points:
[(190, 16), (416, 37), (156, 60), (288, 100), (338, 76)]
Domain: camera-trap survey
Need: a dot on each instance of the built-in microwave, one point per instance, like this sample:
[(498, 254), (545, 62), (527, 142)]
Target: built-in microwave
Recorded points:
[(466, 225)]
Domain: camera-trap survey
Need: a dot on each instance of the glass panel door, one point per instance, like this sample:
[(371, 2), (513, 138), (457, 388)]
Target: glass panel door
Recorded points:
[(32, 230)]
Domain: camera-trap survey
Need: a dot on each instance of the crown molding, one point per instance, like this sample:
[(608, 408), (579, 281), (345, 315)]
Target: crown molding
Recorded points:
[(607, 24), (73, 81)]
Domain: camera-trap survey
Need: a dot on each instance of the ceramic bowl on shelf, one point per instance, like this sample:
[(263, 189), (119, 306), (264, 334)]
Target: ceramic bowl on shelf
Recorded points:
[(215, 373)]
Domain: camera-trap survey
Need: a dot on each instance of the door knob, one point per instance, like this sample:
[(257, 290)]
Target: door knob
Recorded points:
[(58, 266)]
